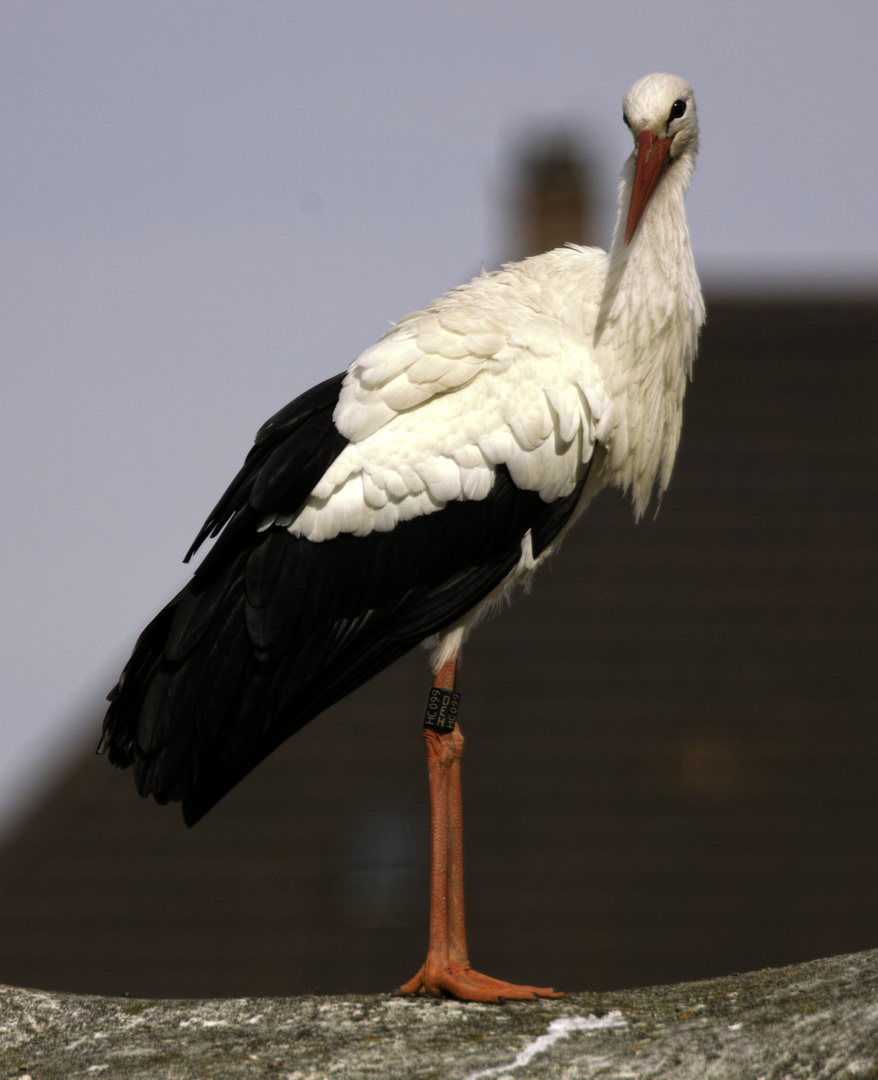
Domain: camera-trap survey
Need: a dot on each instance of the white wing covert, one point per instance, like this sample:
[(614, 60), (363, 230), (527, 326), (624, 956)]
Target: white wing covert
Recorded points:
[(430, 418)]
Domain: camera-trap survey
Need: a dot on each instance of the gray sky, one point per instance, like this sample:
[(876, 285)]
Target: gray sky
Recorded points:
[(207, 206)]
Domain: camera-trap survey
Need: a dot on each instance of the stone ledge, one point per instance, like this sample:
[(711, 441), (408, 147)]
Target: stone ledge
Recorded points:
[(818, 1019)]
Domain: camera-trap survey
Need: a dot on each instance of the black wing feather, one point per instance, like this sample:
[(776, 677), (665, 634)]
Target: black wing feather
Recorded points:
[(291, 452), (273, 628)]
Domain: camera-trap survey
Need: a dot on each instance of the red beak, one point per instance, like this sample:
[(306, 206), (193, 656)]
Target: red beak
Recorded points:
[(653, 157)]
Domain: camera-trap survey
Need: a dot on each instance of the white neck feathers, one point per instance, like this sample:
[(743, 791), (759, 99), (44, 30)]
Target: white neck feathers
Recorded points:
[(646, 334)]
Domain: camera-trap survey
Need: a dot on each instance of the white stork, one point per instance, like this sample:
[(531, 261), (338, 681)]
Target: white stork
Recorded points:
[(399, 501)]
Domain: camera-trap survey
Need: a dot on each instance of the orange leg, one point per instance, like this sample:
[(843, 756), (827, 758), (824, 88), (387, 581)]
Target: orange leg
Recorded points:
[(446, 970)]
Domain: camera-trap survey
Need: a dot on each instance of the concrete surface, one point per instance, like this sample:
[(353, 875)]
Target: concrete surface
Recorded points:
[(812, 1020)]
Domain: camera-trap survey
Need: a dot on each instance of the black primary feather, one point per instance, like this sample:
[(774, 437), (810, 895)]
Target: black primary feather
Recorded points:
[(273, 628)]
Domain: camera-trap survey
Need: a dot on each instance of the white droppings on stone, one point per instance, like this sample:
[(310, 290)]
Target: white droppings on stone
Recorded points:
[(735, 1027), (558, 1029)]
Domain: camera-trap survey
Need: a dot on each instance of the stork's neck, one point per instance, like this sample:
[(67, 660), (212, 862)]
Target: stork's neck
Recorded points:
[(646, 334)]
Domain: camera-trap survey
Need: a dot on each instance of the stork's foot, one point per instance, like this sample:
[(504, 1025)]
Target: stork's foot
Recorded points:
[(461, 982)]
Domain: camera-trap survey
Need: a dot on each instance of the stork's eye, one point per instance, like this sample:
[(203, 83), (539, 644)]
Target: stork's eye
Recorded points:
[(625, 118), (677, 110)]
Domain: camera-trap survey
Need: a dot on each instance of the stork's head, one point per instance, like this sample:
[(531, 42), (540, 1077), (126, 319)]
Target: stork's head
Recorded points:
[(660, 111)]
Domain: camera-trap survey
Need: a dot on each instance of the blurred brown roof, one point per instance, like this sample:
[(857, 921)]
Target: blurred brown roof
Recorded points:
[(671, 756)]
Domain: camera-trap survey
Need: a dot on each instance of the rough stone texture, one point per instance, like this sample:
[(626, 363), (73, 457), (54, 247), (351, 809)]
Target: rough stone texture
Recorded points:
[(818, 1019)]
